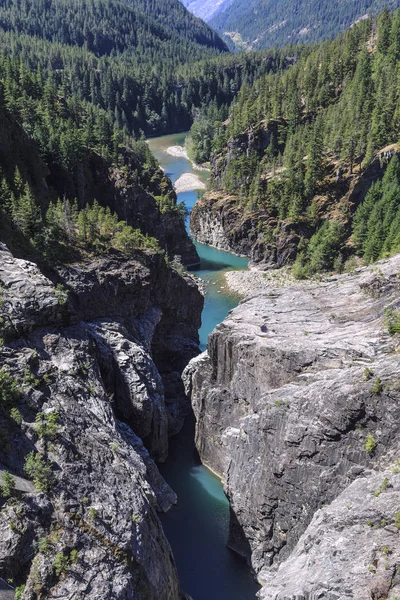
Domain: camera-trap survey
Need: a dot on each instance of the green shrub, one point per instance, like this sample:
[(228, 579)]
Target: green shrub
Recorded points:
[(392, 320), (16, 416), (19, 592), (7, 485), (92, 514), (176, 265), (47, 425), (351, 264), (368, 373), (383, 487), (30, 380), (370, 443), (377, 388), (127, 239), (62, 561), (61, 294), (396, 467), (74, 556), (40, 471), (43, 545), (300, 269), (60, 564), (9, 390)]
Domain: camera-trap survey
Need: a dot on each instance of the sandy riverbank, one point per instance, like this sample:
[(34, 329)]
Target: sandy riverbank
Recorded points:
[(178, 152), (189, 182), (181, 152)]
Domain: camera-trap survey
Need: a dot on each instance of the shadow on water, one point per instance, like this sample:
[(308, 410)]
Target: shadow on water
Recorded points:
[(197, 527)]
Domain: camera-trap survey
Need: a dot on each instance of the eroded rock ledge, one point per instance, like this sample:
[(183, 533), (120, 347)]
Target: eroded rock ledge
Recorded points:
[(293, 384), (102, 345)]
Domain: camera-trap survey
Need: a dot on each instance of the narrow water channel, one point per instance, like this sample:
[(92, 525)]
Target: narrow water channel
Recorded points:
[(197, 527)]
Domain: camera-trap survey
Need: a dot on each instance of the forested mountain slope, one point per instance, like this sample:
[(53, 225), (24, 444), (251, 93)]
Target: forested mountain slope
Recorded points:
[(147, 28), (265, 23), (148, 64), (300, 149), (119, 56)]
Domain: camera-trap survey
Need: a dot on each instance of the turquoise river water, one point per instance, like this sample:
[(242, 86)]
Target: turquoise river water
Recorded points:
[(197, 527)]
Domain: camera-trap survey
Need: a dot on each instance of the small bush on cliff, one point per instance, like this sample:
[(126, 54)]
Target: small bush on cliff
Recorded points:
[(392, 321), (43, 545), (9, 389), (61, 563), (176, 264), (40, 471), (47, 426), (19, 592), (16, 416), (92, 514), (61, 294), (7, 485), (368, 373), (397, 520), (385, 485), (377, 387), (370, 443)]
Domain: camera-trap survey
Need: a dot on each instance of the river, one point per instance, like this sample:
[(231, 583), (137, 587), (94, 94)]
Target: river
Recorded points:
[(197, 527)]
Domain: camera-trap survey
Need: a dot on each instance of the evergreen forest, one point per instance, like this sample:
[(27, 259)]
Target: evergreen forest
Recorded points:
[(85, 82), (298, 141)]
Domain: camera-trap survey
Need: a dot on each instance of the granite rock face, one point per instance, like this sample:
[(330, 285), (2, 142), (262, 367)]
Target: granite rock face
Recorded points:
[(81, 343), (218, 219), (350, 550), (296, 398)]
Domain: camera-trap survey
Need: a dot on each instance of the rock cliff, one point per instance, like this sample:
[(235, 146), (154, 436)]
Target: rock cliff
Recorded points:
[(89, 371), (297, 408)]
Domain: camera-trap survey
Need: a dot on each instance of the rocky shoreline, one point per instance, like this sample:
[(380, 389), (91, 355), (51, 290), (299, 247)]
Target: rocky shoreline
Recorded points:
[(252, 281), (181, 152)]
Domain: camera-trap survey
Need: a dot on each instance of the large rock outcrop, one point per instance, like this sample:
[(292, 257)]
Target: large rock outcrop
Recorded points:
[(297, 407), (82, 346), (219, 219)]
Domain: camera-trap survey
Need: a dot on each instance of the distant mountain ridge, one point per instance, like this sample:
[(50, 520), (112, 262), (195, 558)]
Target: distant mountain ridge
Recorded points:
[(206, 9), (256, 24)]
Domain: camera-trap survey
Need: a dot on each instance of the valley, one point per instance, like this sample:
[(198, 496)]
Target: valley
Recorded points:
[(199, 300)]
